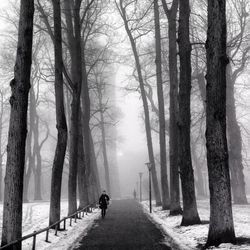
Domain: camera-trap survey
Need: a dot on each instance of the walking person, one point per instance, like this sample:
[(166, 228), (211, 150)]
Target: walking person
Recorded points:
[(134, 194), (103, 202)]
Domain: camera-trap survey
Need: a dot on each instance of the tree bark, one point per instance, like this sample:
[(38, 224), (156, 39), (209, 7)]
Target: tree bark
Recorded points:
[(161, 108), (95, 168), (190, 214), (145, 106), (74, 39), (38, 167), (221, 227), (61, 125), (20, 85), (175, 207), (1, 148), (30, 156), (199, 183), (85, 100), (36, 154), (234, 144)]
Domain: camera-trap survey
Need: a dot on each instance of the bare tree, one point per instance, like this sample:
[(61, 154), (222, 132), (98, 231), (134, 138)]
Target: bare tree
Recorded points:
[(20, 85), (161, 108), (171, 13), (190, 213), (61, 125), (221, 228), (238, 51), (72, 14)]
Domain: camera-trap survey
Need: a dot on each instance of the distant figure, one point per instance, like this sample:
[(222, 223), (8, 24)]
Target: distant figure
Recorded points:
[(134, 193), (103, 202)]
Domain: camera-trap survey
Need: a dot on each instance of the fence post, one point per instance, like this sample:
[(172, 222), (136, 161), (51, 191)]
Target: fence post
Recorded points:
[(47, 236), (75, 217), (64, 224), (34, 242), (70, 221), (56, 229)]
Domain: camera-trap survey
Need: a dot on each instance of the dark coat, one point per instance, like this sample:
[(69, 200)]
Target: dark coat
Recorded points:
[(104, 201)]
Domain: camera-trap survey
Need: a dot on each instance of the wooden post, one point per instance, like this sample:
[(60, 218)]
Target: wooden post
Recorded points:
[(47, 236), (34, 242), (56, 229), (64, 224)]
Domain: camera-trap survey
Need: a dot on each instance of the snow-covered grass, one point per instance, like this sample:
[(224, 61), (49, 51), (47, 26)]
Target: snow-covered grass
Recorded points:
[(36, 217), (194, 237)]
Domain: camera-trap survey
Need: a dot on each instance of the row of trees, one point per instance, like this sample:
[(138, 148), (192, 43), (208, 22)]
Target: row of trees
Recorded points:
[(171, 53), (212, 46), (79, 71)]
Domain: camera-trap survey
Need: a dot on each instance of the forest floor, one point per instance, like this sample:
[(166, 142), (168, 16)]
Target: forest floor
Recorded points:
[(194, 237), (36, 217)]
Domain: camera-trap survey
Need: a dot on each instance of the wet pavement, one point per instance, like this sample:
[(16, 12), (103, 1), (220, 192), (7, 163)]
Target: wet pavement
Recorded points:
[(125, 227)]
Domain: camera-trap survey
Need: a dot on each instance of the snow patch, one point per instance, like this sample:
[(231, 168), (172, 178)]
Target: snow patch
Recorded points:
[(36, 217), (193, 237)]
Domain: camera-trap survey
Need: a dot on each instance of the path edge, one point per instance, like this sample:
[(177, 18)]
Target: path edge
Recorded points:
[(168, 237)]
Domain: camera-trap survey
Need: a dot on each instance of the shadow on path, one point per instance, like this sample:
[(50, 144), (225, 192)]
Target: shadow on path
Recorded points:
[(124, 227)]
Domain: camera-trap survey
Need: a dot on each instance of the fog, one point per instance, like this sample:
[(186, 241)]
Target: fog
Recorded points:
[(118, 89)]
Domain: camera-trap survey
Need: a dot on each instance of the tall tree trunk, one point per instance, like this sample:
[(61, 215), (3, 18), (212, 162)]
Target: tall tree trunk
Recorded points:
[(234, 138), (162, 136), (95, 168), (30, 156), (20, 85), (200, 180), (175, 207), (36, 153), (38, 177), (85, 100), (221, 227), (145, 107), (202, 88), (61, 125), (74, 39), (1, 176), (1, 148), (190, 213), (82, 177), (234, 144), (27, 172)]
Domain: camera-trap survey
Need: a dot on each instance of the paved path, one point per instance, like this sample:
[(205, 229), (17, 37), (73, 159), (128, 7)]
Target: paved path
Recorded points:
[(125, 227)]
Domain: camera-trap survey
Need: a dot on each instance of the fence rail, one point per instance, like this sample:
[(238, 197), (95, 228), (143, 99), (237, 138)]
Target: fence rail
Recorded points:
[(55, 226)]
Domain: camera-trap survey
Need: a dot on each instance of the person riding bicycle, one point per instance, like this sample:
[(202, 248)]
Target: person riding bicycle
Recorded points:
[(103, 202)]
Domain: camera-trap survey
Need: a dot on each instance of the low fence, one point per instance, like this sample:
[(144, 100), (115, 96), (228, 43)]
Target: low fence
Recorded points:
[(77, 215)]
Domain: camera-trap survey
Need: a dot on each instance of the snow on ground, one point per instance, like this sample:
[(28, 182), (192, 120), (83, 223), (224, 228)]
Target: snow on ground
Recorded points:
[(194, 237), (36, 217)]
